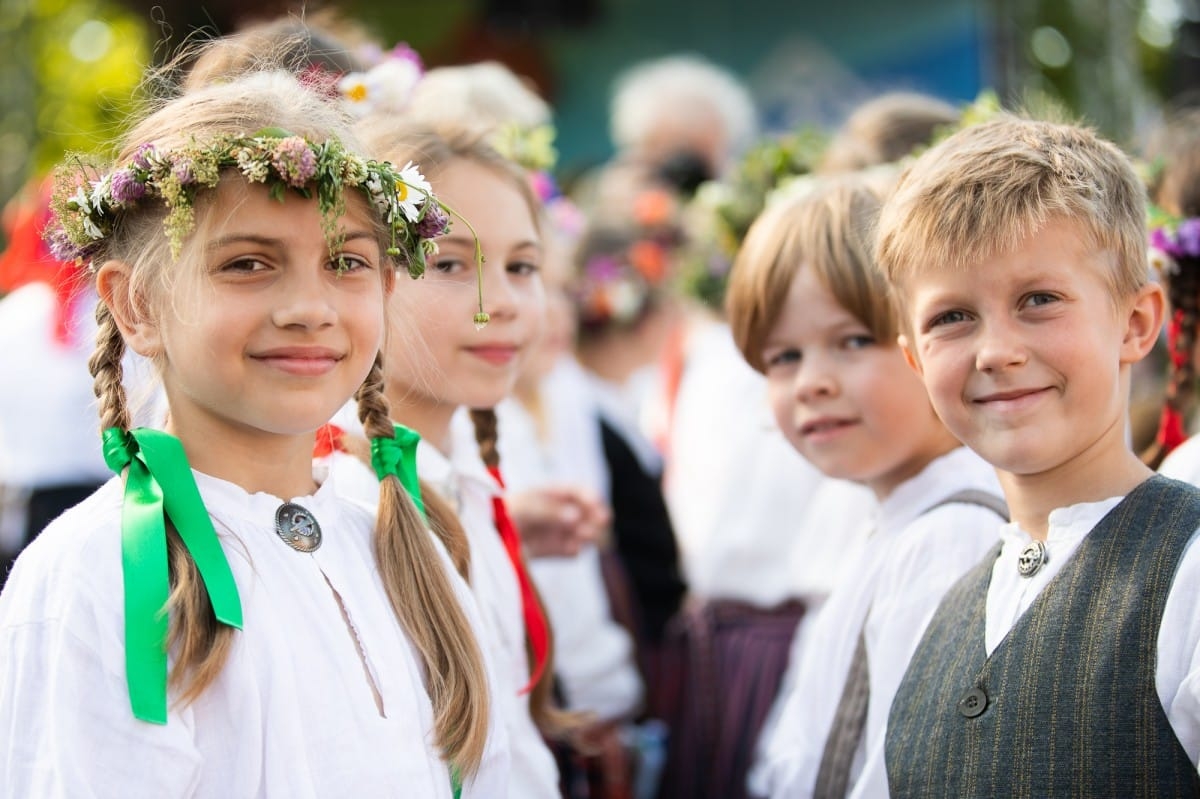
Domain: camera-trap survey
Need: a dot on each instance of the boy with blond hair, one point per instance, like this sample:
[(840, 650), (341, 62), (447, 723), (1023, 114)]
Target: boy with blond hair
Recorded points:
[(1067, 661)]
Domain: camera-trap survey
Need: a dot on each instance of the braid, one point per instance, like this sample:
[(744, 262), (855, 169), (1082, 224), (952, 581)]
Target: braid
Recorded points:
[(424, 602), (107, 373), (486, 435), (200, 644), (1183, 290)]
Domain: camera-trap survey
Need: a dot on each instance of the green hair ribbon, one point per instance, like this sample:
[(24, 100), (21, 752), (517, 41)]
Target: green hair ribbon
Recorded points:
[(159, 486), (397, 456)]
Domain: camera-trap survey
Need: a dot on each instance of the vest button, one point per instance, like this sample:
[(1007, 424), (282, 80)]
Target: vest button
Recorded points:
[(973, 703)]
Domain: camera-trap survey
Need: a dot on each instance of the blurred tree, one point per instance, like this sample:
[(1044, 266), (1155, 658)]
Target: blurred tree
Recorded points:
[(67, 83)]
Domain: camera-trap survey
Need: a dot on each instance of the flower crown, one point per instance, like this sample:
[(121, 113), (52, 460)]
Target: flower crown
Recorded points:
[(1173, 239), (86, 210)]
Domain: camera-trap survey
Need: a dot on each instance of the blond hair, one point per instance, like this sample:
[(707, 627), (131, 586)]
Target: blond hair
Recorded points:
[(320, 41), (986, 189), (828, 230), (417, 585), (885, 129)]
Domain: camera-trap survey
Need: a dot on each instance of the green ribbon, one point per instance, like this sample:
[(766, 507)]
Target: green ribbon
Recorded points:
[(397, 456), (160, 486)]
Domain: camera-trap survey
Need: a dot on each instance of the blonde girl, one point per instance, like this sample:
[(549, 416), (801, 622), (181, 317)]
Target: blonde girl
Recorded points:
[(450, 367), (215, 621)]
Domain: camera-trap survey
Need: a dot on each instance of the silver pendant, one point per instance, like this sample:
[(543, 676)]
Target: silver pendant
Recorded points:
[(1033, 557), (297, 527)]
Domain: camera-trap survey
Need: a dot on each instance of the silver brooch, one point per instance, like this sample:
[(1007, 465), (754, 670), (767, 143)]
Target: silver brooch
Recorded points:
[(1033, 557), (297, 527)]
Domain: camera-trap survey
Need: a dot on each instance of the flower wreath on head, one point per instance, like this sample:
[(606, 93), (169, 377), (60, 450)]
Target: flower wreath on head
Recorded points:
[(87, 207), (630, 261)]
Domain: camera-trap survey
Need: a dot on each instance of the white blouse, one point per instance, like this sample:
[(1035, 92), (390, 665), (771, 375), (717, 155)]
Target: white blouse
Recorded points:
[(292, 712), (467, 485), (912, 557)]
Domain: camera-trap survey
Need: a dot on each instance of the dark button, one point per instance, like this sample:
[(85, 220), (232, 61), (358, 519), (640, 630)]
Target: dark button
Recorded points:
[(297, 527), (973, 703)]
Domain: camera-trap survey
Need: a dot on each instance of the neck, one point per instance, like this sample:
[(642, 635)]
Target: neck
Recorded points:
[(279, 465), (1086, 478), (431, 420)]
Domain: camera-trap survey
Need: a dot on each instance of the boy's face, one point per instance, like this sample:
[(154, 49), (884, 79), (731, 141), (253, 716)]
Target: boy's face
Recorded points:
[(1026, 355), (845, 401)]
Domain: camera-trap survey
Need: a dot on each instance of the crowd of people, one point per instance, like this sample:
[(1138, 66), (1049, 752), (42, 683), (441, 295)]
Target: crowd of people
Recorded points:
[(345, 452)]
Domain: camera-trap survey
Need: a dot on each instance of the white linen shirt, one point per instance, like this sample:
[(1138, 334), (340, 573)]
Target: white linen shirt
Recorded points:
[(1177, 671), (290, 714), (466, 484), (913, 556)]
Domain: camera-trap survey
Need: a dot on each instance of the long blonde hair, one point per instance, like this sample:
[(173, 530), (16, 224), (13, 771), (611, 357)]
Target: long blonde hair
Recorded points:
[(417, 585)]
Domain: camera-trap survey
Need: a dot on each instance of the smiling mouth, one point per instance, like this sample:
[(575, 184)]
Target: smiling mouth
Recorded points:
[(495, 355), (304, 363), (1002, 397), (824, 426)]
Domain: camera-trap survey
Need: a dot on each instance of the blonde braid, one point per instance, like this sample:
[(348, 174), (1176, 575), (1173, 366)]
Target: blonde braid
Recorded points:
[(424, 602), (201, 644)]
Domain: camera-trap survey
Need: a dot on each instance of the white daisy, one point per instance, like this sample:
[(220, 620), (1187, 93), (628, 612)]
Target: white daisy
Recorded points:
[(411, 191)]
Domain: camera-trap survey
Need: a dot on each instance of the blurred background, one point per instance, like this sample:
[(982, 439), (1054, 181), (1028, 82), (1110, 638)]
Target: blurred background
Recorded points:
[(70, 68)]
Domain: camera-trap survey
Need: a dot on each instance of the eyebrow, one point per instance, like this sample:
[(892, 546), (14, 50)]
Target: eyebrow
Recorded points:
[(469, 241), (274, 242)]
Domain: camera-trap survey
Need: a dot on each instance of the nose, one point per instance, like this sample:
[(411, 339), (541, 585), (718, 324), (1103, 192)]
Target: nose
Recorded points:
[(305, 300), (505, 296), (999, 346), (816, 378)]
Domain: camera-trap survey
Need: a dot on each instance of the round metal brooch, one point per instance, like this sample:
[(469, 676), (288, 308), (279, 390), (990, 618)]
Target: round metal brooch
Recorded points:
[(1033, 557), (297, 527)]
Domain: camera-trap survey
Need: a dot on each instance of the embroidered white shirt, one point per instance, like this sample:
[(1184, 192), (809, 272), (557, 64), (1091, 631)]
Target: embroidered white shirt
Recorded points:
[(292, 712), (913, 556)]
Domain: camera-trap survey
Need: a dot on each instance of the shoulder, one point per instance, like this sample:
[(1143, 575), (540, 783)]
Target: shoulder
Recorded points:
[(1184, 462), (71, 574)]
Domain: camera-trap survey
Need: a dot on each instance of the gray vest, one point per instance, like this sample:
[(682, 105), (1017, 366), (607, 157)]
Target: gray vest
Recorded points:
[(1067, 704)]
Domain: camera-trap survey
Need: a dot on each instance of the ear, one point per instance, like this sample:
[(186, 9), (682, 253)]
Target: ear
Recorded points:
[(115, 286), (1143, 320), (910, 355)]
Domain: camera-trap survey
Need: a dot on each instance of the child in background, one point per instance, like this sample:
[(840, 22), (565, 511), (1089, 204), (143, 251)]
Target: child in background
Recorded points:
[(885, 129), (452, 364), (1175, 191), (809, 311), (1067, 661), (243, 244)]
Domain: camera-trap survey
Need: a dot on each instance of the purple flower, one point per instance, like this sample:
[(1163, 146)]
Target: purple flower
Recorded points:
[(603, 268), (141, 158), (434, 222), (402, 52), (1188, 237), (1159, 240), (183, 171), (126, 187), (60, 246), (295, 162)]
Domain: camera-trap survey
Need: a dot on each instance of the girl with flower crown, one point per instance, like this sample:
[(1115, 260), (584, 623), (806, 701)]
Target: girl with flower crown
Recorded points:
[(453, 365), (218, 620)]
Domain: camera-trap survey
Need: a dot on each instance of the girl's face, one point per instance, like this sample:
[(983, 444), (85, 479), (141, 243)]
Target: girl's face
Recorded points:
[(267, 335), (435, 357), (846, 402)]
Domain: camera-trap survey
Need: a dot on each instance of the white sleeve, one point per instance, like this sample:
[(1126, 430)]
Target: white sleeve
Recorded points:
[(64, 705)]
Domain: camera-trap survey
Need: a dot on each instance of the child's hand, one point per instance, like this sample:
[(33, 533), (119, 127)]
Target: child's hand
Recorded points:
[(557, 521)]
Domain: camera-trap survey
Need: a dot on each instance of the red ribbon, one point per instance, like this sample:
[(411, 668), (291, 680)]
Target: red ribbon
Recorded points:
[(1170, 429), (330, 439), (536, 628)]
